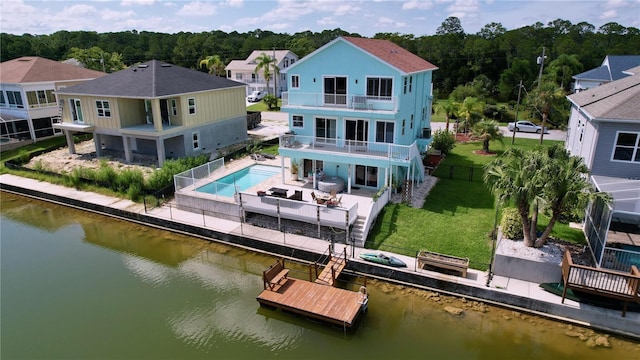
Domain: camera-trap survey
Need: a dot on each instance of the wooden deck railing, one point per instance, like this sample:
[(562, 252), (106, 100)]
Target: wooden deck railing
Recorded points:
[(607, 283)]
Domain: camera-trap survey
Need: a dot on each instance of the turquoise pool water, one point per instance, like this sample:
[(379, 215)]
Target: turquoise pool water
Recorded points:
[(243, 179)]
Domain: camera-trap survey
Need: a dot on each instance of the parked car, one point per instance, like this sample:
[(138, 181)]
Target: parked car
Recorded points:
[(525, 126), (256, 96)]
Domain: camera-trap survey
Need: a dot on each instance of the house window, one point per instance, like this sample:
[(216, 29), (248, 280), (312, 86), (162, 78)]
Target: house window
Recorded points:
[(15, 99), (384, 132), (405, 86), (195, 138), (292, 61), (627, 147), (174, 107), (297, 121), (335, 90), (3, 103), (410, 83), (295, 81), (403, 125), (192, 105), (286, 62), (379, 88), (76, 110), (411, 124), (326, 130), (238, 76), (228, 74), (103, 108), (366, 175)]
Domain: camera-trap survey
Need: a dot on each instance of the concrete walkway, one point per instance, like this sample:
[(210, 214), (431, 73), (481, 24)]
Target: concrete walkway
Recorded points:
[(502, 291)]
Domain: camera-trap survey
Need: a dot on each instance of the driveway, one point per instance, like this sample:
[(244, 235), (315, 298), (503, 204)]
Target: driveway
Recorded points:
[(557, 135)]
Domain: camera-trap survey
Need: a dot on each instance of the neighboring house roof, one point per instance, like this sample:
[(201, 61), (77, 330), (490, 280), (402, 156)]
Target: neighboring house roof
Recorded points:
[(31, 69), (249, 64), (151, 79), (392, 54), (613, 68), (617, 100)]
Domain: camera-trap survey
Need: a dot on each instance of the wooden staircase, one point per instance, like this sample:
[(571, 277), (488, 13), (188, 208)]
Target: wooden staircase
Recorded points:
[(333, 269)]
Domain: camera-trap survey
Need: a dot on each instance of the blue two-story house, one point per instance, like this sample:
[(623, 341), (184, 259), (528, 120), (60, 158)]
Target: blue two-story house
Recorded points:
[(359, 110)]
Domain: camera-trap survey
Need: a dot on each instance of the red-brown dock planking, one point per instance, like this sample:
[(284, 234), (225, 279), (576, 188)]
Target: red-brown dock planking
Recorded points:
[(325, 303)]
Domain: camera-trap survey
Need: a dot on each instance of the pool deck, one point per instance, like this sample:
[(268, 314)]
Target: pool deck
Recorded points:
[(500, 290)]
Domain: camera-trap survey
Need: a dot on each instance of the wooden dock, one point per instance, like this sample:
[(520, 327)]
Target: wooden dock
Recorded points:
[(325, 303), (318, 300)]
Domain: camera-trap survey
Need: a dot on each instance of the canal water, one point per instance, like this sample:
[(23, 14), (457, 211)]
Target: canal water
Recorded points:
[(75, 285)]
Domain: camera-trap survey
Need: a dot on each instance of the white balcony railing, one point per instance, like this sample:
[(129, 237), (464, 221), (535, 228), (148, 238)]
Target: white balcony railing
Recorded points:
[(341, 101), (384, 150)]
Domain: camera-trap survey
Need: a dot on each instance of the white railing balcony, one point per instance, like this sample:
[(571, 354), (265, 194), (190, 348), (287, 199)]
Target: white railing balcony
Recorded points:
[(388, 151), (341, 101)]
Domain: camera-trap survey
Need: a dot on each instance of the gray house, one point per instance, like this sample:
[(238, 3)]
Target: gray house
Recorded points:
[(613, 68), (604, 129), (155, 108)]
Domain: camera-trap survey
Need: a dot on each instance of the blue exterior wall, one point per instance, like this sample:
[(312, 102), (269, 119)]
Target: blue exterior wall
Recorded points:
[(413, 106)]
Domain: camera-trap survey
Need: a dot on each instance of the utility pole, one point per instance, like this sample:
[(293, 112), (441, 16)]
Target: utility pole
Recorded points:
[(515, 122), (540, 61)]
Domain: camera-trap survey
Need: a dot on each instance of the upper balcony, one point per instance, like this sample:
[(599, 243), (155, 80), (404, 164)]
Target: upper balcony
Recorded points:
[(341, 101), (398, 154)]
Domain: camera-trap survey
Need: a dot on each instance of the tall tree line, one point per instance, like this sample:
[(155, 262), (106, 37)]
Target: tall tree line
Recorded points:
[(495, 57)]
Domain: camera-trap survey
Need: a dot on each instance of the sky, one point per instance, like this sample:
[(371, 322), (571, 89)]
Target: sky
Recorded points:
[(365, 17)]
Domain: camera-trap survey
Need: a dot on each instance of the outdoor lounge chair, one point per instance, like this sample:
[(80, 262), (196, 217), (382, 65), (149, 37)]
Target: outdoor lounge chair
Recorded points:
[(313, 197)]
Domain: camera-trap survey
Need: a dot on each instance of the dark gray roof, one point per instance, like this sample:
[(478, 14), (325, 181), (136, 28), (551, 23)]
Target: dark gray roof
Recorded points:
[(612, 68), (152, 79)]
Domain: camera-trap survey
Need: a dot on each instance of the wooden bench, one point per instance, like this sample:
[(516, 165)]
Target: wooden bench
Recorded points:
[(608, 283), (458, 264), (275, 276)]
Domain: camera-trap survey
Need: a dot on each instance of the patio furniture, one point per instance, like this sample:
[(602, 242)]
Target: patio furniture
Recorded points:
[(278, 192), (313, 197)]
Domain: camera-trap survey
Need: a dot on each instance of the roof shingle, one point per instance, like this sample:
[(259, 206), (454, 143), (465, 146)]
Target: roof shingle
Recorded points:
[(30, 69), (151, 79), (392, 54)]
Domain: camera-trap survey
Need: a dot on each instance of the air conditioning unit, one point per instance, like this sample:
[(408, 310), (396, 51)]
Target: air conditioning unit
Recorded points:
[(426, 133)]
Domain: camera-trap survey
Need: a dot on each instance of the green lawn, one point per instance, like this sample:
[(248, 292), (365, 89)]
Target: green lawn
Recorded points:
[(458, 215)]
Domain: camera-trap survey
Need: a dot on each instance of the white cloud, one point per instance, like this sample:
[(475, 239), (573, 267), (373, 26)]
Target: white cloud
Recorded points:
[(136, 2), (197, 8), (80, 10), (327, 21), (117, 15), (417, 5), (609, 14), (234, 3), (463, 8)]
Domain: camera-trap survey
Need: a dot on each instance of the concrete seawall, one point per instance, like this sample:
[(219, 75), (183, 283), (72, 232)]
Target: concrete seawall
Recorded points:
[(510, 293)]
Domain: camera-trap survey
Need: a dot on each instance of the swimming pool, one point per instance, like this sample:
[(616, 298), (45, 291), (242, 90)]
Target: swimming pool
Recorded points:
[(242, 179)]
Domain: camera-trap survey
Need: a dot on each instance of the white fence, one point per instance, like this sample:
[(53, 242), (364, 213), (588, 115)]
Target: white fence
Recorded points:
[(192, 176)]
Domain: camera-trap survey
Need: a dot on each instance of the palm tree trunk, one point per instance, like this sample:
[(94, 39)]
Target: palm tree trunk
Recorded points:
[(447, 119), (523, 209), (547, 231), (534, 221), (544, 121)]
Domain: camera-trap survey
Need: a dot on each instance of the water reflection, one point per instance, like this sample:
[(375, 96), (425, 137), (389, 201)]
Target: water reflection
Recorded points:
[(93, 287)]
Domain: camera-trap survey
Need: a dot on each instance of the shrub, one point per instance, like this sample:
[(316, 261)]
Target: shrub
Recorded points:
[(444, 141), (271, 101), (511, 224)]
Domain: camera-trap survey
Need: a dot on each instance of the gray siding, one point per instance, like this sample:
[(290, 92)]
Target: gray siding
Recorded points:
[(602, 164)]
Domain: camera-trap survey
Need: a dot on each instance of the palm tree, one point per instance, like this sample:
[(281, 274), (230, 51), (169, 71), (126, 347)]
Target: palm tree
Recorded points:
[(214, 64), (514, 177), (486, 131), (543, 98), (566, 189), (269, 67), (449, 107), (469, 106), (546, 176)]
